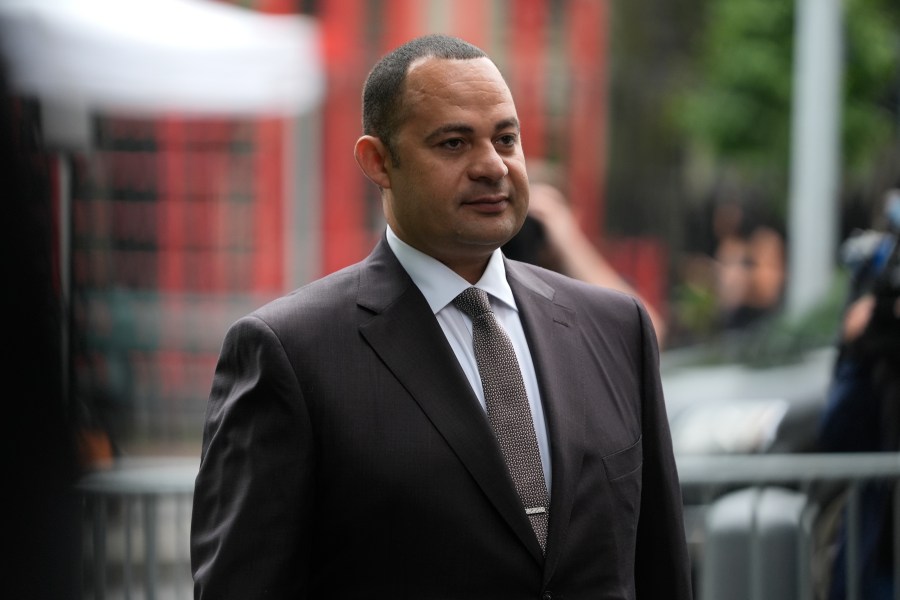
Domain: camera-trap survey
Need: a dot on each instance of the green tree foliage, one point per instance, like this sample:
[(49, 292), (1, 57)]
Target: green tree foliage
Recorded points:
[(737, 112), (871, 82)]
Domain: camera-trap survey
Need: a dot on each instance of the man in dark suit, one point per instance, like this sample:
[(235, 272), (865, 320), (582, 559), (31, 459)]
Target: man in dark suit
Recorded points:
[(347, 453)]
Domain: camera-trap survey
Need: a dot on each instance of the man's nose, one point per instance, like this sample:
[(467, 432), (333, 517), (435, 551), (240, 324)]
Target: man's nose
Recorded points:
[(487, 164)]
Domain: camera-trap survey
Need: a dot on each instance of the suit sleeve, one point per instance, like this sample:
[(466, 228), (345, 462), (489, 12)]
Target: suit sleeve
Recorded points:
[(662, 564), (253, 493)]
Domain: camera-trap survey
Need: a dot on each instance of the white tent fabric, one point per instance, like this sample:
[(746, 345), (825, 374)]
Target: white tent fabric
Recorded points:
[(158, 56)]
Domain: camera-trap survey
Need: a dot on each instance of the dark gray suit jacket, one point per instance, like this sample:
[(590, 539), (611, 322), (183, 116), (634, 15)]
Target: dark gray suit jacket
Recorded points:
[(346, 456)]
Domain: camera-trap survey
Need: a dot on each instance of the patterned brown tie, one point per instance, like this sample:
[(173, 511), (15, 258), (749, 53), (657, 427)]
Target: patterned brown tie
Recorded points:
[(507, 407)]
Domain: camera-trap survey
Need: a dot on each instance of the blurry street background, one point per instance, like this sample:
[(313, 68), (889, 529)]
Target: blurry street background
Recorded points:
[(199, 154)]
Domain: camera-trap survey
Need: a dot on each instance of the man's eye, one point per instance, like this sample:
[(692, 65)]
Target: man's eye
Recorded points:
[(453, 144), (508, 139)]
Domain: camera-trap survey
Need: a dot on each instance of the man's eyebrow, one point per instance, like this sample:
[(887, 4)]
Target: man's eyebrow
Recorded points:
[(507, 123), (464, 128), (448, 128)]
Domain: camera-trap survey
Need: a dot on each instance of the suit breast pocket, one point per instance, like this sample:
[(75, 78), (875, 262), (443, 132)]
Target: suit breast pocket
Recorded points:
[(623, 472)]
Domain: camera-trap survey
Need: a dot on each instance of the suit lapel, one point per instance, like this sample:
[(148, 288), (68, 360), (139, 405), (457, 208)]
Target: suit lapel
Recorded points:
[(406, 336), (553, 339)]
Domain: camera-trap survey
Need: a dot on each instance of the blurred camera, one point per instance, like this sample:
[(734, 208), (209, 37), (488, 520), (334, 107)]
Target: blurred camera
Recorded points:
[(874, 258)]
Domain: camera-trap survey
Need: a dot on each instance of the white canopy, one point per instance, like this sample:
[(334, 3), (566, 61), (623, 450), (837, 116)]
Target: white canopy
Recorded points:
[(156, 56)]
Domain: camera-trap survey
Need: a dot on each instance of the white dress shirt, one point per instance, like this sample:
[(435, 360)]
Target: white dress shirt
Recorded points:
[(440, 285)]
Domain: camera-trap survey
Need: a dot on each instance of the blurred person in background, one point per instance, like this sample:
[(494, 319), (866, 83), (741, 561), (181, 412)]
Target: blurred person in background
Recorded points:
[(862, 412), (552, 238), (347, 452), (38, 442), (733, 280), (730, 261), (750, 263)]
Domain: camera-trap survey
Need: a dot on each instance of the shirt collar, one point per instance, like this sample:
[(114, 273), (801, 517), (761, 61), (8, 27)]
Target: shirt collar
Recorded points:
[(440, 284)]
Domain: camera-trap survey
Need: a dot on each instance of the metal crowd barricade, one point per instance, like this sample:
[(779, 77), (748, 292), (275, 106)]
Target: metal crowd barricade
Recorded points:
[(711, 474), (137, 515), (137, 524)]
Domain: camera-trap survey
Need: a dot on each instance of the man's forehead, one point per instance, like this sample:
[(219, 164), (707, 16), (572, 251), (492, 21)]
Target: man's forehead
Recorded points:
[(438, 60), (441, 94), (428, 69), (462, 82)]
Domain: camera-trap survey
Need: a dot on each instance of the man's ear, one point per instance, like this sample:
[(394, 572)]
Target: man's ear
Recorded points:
[(372, 157)]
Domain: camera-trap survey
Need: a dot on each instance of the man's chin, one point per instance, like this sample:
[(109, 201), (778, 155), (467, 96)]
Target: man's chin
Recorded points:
[(493, 237)]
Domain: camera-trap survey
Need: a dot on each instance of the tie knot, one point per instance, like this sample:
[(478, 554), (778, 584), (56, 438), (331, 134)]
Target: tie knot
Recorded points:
[(473, 301)]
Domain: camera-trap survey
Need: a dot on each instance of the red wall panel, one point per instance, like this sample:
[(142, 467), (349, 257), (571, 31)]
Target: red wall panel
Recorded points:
[(345, 236)]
